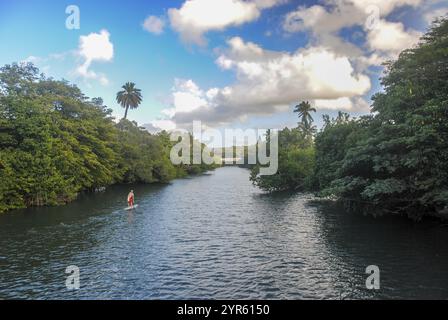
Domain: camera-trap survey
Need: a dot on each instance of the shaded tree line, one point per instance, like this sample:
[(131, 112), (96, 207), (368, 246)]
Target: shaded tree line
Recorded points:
[(393, 161), (55, 142)]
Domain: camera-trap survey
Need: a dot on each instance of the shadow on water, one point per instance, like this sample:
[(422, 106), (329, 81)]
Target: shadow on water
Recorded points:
[(216, 236), (412, 257)]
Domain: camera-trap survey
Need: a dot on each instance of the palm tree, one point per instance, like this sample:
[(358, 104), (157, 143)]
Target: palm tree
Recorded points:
[(129, 97), (307, 130), (304, 110)]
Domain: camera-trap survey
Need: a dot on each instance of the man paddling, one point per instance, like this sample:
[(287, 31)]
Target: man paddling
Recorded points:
[(131, 199)]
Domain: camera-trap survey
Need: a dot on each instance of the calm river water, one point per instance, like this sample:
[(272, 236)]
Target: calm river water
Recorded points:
[(216, 236)]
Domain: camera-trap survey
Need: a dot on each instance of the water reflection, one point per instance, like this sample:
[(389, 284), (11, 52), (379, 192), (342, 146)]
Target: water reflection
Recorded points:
[(412, 257), (216, 236)]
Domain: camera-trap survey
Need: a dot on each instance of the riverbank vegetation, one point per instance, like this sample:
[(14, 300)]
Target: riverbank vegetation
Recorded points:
[(55, 143), (393, 161)]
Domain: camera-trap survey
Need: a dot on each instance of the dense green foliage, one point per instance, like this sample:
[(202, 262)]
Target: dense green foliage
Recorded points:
[(393, 161), (400, 165), (332, 143), (295, 163), (56, 143)]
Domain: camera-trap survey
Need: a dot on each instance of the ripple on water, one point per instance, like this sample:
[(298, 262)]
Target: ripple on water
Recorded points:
[(216, 236)]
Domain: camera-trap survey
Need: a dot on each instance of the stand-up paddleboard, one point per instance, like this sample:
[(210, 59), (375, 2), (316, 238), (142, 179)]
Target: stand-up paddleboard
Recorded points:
[(130, 208)]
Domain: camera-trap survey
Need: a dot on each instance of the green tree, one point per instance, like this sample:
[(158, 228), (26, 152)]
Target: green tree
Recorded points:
[(401, 164), (337, 136), (295, 163), (129, 97), (56, 143), (304, 110)]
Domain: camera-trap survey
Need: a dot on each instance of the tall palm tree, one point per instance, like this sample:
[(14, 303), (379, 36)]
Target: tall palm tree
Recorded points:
[(129, 97), (304, 110), (307, 130)]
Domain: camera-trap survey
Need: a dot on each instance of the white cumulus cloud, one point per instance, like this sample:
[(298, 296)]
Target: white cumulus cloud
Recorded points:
[(324, 22), (385, 6), (269, 82), (94, 47), (357, 104), (154, 25), (278, 78), (186, 97), (391, 37), (197, 17), (330, 71)]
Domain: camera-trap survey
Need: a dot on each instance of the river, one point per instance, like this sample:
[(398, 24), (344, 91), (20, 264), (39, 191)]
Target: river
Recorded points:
[(215, 236)]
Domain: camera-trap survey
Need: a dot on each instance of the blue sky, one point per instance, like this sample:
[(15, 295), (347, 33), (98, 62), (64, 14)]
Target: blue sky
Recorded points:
[(228, 63)]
